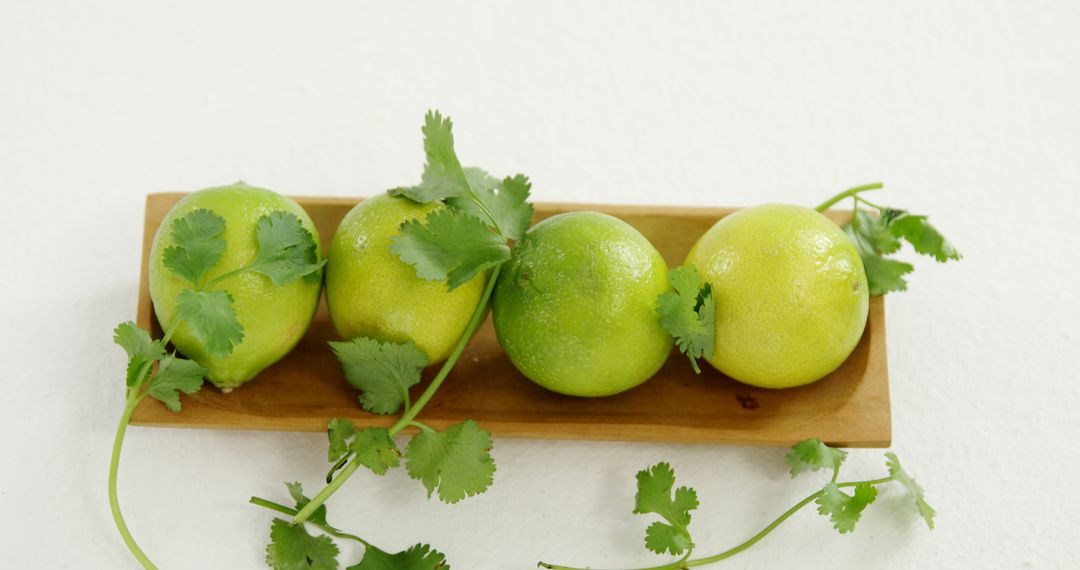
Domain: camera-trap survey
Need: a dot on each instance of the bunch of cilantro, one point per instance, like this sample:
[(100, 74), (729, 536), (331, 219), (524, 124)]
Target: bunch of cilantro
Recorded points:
[(474, 234)]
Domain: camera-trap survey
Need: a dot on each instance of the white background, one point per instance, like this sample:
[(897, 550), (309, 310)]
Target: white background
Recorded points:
[(968, 111)]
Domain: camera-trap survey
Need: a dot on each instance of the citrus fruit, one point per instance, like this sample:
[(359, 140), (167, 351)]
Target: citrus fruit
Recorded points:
[(274, 317), (372, 293), (574, 308), (790, 290)]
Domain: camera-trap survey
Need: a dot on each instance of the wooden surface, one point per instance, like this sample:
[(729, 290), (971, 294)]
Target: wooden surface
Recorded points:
[(306, 389)]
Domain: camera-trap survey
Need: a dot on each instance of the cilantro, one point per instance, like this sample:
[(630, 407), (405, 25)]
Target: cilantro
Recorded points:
[(456, 461), (211, 319), (443, 175), (384, 371), (339, 433), (813, 455), (654, 496), (140, 348), (199, 244), (292, 548), (506, 204), (287, 250), (908, 482), (296, 491), (922, 236), (419, 557), (375, 449), (688, 314), (842, 509), (176, 375), (449, 246)]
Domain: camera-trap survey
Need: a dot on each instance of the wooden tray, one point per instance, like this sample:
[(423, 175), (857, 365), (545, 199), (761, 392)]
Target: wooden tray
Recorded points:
[(306, 389)]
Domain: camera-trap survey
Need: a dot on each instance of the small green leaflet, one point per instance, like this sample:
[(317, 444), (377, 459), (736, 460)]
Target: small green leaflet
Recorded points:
[(908, 482), (688, 313), (198, 244), (418, 557), (922, 236), (375, 449), (443, 175), (507, 206), (140, 348), (211, 319), (654, 495), (175, 375), (842, 509), (813, 455), (292, 548), (287, 250), (339, 432), (296, 491), (384, 371), (456, 461), (877, 236), (449, 246)]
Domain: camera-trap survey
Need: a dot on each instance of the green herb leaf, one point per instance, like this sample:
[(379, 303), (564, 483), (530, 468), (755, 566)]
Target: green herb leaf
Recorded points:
[(506, 205), (287, 250), (813, 455), (176, 375), (842, 509), (211, 319), (292, 548), (384, 371), (339, 432), (688, 313), (877, 236), (443, 175), (296, 491), (375, 449), (198, 244), (922, 236), (140, 348), (654, 495), (456, 461), (419, 557), (908, 482), (449, 246)]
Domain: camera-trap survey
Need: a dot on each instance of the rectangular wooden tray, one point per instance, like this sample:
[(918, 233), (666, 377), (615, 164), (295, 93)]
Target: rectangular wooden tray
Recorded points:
[(306, 389)]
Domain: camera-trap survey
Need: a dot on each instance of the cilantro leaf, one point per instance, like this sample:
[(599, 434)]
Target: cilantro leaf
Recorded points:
[(688, 313), (292, 548), (842, 509), (198, 244), (211, 320), (176, 375), (339, 432), (296, 491), (813, 455), (384, 371), (908, 482), (375, 449), (418, 557), (287, 250), (456, 461), (506, 205), (654, 495), (443, 175), (140, 348), (449, 246), (877, 236), (922, 236)]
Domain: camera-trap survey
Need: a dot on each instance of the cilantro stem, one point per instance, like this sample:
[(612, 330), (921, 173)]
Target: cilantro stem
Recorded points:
[(114, 467), (222, 277), (683, 564), (410, 414), (851, 192), (258, 501)]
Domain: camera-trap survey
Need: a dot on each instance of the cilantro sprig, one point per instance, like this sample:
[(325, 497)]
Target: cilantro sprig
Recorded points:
[(473, 234), (843, 503), (688, 314), (286, 252), (880, 235)]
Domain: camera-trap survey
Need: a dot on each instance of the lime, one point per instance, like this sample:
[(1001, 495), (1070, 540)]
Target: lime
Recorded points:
[(274, 317), (372, 293), (791, 294), (575, 306)]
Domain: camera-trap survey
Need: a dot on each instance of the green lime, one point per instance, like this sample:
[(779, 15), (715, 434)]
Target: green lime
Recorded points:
[(791, 294), (274, 317), (575, 306), (372, 293)]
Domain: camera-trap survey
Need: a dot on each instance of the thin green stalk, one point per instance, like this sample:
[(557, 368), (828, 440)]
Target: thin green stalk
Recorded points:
[(222, 277), (407, 418), (848, 194), (114, 467), (685, 564), (291, 512)]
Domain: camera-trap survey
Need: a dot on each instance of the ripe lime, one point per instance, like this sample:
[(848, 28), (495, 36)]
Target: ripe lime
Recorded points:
[(575, 306), (371, 292), (791, 294), (274, 317)]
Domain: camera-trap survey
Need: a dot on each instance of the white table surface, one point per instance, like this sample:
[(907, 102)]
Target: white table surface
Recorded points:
[(969, 111)]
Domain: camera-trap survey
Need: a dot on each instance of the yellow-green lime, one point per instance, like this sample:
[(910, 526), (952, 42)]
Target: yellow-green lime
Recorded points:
[(574, 308), (274, 317), (791, 294), (372, 293)]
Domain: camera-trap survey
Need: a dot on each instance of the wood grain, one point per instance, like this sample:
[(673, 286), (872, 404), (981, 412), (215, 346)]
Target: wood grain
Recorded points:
[(306, 389)]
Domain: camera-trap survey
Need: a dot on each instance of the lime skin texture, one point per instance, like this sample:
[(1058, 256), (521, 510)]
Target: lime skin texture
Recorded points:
[(791, 294), (575, 306), (274, 317), (372, 293)]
